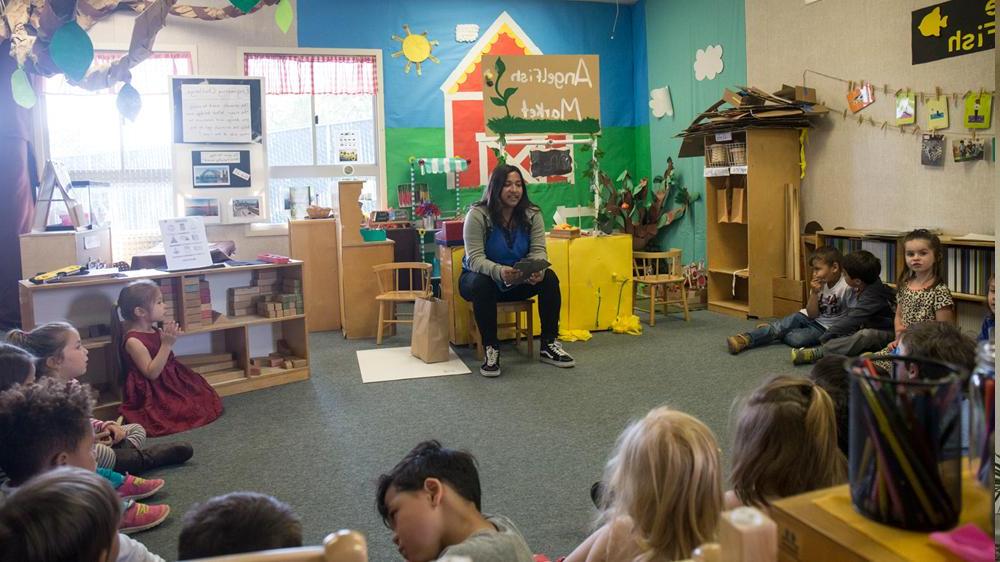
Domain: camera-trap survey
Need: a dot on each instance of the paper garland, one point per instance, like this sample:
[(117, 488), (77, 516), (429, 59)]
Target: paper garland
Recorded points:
[(283, 15), (71, 50), (20, 87)]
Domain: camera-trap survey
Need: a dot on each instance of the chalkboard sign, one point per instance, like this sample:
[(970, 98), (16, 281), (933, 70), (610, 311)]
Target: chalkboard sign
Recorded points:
[(217, 110), (545, 163)]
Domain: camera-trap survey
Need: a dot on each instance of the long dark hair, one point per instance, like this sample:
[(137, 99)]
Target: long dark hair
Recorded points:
[(935, 243), (491, 198), (137, 294)]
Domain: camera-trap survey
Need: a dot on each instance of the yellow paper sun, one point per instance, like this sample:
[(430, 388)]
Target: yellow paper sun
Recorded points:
[(416, 48)]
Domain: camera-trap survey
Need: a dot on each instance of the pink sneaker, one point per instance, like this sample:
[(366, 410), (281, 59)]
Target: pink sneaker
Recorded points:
[(139, 517), (135, 488)]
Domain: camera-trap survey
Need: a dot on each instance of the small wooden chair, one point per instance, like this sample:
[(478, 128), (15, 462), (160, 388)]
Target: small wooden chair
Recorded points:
[(342, 546), (387, 275), (527, 329), (646, 270)]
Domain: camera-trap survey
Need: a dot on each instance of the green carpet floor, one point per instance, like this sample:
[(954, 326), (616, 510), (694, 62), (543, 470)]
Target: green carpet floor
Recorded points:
[(541, 434)]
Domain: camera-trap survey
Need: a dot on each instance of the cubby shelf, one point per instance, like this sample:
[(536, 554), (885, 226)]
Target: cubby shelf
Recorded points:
[(86, 304)]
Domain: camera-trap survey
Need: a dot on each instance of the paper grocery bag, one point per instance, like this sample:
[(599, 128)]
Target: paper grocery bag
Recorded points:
[(430, 330)]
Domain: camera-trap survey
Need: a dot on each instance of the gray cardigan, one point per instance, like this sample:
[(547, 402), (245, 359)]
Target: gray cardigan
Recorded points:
[(477, 229)]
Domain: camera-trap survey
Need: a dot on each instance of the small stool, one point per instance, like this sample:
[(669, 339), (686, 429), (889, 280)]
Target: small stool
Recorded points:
[(526, 329)]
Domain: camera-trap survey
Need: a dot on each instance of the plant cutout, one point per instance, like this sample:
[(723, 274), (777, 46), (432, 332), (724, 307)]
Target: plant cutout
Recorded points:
[(501, 99), (427, 209), (636, 210), (21, 90), (416, 49), (283, 15), (244, 5)]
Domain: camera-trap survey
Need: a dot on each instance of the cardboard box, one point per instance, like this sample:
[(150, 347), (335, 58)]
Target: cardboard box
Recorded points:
[(799, 94), (738, 208), (790, 289)]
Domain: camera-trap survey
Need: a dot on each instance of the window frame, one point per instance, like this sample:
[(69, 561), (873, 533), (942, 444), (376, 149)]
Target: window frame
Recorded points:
[(378, 169)]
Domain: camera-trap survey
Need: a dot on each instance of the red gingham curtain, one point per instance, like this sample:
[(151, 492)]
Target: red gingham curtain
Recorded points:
[(313, 74)]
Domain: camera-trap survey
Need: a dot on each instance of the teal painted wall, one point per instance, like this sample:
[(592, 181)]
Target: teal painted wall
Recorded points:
[(674, 31)]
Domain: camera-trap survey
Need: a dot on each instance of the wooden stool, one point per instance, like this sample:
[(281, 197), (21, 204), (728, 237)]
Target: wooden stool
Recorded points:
[(526, 329)]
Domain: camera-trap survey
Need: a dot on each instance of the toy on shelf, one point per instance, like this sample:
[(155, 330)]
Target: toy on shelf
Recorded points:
[(436, 166), (272, 258)]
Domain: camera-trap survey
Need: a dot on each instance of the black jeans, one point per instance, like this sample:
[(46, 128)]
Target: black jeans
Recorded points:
[(484, 294)]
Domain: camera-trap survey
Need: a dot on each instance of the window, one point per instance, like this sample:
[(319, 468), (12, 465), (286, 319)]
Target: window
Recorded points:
[(85, 132), (322, 114)]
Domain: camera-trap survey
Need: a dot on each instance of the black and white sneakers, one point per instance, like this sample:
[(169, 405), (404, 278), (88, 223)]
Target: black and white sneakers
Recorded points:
[(491, 365), (553, 354)]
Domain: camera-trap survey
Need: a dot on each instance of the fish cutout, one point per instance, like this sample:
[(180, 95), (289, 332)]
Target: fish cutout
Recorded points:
[(933, 23)]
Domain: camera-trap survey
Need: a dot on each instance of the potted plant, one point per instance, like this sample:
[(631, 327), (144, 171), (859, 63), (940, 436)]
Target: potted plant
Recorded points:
[(428, 212), (635, 209)]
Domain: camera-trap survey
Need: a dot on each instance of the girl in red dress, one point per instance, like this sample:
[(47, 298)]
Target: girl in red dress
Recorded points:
[(159, 392)]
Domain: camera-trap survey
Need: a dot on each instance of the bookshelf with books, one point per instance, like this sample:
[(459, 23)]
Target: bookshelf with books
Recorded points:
[(968, 266), (886, 246), (237, 346)]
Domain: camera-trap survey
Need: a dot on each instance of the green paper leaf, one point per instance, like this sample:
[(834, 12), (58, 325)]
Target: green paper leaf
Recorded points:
[(283, 15), (508, 93), (72, 50), (129, 102), (244, 5), (501, 68), (498, 101), (20, 87)]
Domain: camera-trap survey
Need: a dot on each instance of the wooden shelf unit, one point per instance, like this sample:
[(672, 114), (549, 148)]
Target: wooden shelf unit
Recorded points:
[(744, 257), (88, 303)]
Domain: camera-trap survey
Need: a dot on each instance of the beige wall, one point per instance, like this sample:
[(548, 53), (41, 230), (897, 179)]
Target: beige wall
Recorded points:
[(860, 176), (215, 45)]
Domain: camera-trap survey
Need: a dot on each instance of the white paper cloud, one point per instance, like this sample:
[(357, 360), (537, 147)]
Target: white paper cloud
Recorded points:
[(466, 32), (708, 62), (660, 103)]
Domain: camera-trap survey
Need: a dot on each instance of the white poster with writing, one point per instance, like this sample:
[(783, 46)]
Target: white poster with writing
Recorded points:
[(185, 244), (216, 113)]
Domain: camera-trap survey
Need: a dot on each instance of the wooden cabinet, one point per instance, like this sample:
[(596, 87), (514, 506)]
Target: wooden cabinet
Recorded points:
[(358, 287), (87, 306), (46, 251), (746, 227), (315, 243)]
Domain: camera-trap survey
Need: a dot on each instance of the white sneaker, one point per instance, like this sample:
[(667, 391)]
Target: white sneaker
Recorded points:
[(553, 354), (491, 366)]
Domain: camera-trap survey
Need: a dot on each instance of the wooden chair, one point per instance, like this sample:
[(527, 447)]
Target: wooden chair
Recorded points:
[(387, 275), (526, 330), (342, 546), (646, 269)]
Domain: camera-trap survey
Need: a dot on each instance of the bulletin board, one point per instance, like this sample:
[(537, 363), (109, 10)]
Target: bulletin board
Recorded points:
[(219, 156)]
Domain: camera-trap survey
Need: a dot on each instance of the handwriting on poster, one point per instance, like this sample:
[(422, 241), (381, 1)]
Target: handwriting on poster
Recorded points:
[(216, 113), (542, 93)]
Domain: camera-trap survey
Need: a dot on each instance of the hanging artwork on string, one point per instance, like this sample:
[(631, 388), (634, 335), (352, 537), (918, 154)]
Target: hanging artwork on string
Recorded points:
[(906, 108), (968, 150), (937, 113), (860, 97), (932, 150), (978, 108)]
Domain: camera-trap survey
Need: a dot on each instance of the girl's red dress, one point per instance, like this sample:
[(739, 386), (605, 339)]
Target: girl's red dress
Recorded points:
[(178, 400)]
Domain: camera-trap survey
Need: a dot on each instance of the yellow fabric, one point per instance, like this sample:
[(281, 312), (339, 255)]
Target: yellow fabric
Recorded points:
[(600, 269), (574, 335), (627, 325), (803, 137), (976, 509)]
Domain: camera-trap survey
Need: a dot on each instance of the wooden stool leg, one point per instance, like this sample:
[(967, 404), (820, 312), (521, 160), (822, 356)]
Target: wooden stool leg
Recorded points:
[(381, 320), (531, 331), (517, 330), (652, 305), (477, 338)]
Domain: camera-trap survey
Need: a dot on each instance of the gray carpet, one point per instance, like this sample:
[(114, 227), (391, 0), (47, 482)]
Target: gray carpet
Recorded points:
[(541, 434)]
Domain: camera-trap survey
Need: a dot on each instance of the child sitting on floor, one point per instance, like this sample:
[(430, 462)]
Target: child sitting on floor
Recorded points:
[(829, 298), (432, 501), (664, 492), (921, 291), (46, 425), (785, 443), (868, 324), (236, 523), (60, 353), (62, 515), (160, 393)]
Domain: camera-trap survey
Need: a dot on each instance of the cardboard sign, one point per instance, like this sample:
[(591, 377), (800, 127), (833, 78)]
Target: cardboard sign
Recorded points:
[(185, 244), (541, 93), (951, 29)]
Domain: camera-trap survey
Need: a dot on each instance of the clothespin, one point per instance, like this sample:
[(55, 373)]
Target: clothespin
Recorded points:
[(899, 91), (967, 94), (885, 89), (871, 120), (845, 113), (850, 86), (884, 123), (954, 98), (937, 92), (861, 119), (973, 134)]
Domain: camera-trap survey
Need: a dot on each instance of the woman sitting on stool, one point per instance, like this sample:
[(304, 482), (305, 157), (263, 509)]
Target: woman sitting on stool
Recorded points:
[(501, 230)]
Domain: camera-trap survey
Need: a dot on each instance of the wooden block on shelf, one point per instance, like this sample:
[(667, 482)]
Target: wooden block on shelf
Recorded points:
[(242, 291), (260, 361), (219, 377), (298, 363), (254, 371), (204, 358), (287, 364), (214, 367)]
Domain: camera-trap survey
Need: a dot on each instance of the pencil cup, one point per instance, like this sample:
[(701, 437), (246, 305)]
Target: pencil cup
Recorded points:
[(906, 442)]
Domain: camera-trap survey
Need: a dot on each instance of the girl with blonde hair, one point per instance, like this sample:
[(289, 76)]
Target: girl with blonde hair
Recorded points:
[(785, 443), (663, 495)]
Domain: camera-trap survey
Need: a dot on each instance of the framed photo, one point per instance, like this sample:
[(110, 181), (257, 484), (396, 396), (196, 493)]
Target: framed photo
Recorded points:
[(246, 209), (212, 175), (205, 207)]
